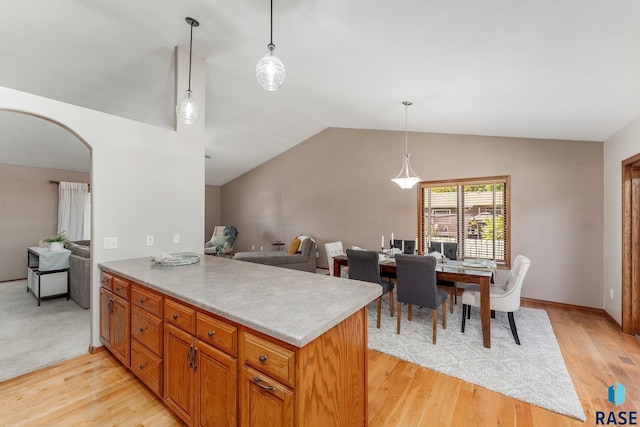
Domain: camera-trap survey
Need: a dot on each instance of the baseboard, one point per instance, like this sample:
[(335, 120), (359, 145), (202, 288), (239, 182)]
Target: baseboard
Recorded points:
[(94, 350), (531, 302), (12, 280)]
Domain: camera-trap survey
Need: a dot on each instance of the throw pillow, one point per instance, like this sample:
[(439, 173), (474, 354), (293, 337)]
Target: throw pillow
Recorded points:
[(294, 245), (219, 240)]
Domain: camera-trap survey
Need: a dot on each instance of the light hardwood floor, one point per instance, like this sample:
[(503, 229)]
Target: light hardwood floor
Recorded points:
[(95, 390)]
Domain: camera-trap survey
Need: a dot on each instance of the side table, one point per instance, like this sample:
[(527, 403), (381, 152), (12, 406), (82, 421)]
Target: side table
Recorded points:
[(47, 272), (278, 243)]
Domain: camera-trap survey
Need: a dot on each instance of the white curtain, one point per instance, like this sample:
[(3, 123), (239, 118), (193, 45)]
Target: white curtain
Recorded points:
[(74, 210)]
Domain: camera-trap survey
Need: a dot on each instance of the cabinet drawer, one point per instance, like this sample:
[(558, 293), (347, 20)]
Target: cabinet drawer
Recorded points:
[(265, 402), (146, 299), (217, 333), (270, 358), (147, 366), (147, 329), (180, 315), (105, 280), (121, 287)]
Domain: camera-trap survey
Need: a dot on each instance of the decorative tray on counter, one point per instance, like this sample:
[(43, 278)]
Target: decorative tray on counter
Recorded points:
[(175, 260)]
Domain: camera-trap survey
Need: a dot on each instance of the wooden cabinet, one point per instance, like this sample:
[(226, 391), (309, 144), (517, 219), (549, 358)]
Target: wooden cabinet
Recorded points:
[(147, 349), (200, 380), (263, 401), (114, 324), (214, 372)]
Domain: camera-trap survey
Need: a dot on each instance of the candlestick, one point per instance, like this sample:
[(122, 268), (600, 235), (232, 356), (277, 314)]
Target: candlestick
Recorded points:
[(382, 242), (442, 249), (392, 239), (403, 246)]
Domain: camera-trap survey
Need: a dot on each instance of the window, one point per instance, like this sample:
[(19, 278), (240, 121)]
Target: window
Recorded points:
[(474, 213)]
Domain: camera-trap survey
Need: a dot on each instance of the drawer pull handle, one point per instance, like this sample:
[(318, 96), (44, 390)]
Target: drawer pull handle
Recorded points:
[(142, 366), (175, 316), (267, 387), (142, 300), (142, 329), (262, 359), (189, 359), (118, 288), (211, 333)]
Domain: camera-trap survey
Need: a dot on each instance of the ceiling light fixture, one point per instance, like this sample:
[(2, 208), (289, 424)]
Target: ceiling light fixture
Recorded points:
[(407, 178), (270, 70), (187, 110)]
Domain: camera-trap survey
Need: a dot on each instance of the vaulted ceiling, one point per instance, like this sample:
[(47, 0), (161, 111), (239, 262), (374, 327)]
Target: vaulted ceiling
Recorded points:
[(541, 69)]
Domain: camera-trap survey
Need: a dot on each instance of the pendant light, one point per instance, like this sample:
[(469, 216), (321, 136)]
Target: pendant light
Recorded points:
[(270, 70), (407, 178), (187, 110)]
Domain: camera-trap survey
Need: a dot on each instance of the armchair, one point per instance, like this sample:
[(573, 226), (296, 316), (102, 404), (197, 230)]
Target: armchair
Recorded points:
[(222, 240)]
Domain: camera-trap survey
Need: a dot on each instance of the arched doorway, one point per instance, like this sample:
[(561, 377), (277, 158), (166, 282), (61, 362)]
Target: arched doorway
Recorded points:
[(33, 152)]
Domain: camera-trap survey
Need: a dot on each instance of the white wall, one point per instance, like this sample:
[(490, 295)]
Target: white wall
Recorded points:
[(144, 180), (623, 145)]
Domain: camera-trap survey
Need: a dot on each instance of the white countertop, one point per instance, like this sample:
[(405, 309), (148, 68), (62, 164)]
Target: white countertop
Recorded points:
[(293, 306)]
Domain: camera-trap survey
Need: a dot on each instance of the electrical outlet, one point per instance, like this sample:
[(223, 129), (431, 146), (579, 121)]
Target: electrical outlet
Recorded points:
[(176, 237), (150, 240), (110, 243), (261, 248), (253, 247), (611, 293)]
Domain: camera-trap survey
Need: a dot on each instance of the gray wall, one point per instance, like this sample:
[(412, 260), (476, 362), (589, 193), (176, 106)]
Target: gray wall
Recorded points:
[(211, 210), (28, 212), (336, 186)]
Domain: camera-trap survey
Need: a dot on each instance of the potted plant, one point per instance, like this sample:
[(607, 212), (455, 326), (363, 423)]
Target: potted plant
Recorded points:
[(57, 241)]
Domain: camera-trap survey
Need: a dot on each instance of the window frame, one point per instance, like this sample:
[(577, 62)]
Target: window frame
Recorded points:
[(506, 217)]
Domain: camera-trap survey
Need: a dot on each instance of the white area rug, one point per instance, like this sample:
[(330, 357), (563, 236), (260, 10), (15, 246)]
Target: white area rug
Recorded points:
[(533, 372), (34, 337)]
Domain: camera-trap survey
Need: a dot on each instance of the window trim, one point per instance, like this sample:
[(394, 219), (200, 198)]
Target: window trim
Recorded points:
[(505, 179)]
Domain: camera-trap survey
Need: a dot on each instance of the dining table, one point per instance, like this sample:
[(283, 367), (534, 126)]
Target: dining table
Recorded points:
[(451, 270)]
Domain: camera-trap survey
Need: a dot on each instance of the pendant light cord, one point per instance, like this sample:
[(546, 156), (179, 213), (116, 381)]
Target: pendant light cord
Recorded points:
[(271, 46), (406, 125), (190, 54)]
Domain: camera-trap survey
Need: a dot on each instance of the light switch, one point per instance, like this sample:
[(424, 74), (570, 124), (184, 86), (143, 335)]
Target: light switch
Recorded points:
[(110, 243)]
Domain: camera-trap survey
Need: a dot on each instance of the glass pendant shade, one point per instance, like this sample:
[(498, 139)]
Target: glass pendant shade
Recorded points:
[(187, 110), (270, 72), (407, 178)]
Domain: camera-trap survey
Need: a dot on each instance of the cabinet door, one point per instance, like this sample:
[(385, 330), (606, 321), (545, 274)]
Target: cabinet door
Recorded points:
[(179, 375), (121, 332), (216, 381), (105, 317), (264, 402)]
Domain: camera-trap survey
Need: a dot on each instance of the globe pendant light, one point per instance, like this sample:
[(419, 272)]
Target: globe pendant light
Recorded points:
[(407, 178), (187, 110), (270, 70)]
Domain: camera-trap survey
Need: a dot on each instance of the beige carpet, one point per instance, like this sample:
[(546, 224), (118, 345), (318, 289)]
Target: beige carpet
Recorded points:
[(34, 337)]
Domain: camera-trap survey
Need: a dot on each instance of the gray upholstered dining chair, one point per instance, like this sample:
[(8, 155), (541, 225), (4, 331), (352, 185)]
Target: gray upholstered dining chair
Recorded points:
[(503, 297), (451, 252), (363, 265), (417, 285)]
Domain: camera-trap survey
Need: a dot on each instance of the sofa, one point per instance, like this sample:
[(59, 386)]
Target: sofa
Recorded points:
[(80, 272), (304, 259)]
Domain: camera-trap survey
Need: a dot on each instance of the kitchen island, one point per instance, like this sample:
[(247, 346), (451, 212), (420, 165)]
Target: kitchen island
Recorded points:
[(225, 342)]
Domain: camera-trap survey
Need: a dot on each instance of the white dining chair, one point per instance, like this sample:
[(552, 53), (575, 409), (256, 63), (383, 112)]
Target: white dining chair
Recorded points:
[(503, 297), (334, 249)]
